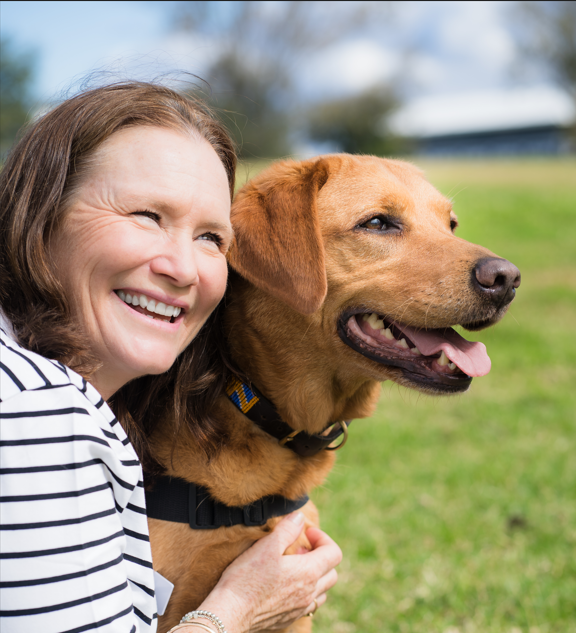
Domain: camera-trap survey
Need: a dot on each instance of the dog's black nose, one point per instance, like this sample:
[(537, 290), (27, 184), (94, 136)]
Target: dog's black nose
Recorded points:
[(496, 278)]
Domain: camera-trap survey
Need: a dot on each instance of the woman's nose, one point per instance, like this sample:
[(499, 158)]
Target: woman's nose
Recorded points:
[(178, 262)]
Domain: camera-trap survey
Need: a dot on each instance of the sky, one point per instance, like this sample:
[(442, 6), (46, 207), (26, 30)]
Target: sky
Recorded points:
[(440, 49)]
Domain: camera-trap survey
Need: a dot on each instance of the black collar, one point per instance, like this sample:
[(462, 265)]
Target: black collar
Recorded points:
[(263, 413), (174, 499)]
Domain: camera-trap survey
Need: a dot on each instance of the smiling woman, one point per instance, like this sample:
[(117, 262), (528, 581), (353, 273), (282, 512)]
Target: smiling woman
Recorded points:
[(114, 227), (150, 221)]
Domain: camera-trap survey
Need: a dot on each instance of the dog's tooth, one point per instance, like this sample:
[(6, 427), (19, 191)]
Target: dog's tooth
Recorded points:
[(128, 298), (160, 308), (443, 360), (151, 305), (365, 317), (402, 343), (169, 311), (416, 351), (372, 320), (122, 295), (143, 301), (452, 366), (378, 324), (388, 334)]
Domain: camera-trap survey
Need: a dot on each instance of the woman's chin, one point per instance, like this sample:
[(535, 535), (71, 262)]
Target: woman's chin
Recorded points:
[(116, 373)]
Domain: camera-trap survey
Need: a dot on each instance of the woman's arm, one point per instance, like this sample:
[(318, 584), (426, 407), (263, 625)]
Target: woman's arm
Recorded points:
[(263, 590)]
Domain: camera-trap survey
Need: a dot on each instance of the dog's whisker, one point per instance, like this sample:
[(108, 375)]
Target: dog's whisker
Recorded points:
[(459, 192)]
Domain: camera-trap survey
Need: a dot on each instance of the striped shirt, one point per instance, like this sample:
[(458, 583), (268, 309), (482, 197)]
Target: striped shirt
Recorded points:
[(74, 548)]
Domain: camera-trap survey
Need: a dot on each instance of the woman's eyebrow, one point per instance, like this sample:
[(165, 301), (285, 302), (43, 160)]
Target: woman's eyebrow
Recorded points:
[(217, 226)]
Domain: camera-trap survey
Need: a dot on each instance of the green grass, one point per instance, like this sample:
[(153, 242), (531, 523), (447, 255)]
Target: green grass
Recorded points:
[(458, 515)]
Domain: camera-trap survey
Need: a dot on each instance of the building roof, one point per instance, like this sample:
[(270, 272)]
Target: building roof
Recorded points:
[(483, 111)]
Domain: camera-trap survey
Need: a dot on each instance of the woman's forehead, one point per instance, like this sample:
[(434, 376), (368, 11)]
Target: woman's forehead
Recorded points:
[(160, 170), (150, 158)]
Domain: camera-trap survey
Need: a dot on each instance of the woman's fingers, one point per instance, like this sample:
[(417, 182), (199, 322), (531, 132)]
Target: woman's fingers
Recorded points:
[(325, 551), (285, 533), (315, 604), (264, 590), (321, 599), (318, 538), (327, 581)]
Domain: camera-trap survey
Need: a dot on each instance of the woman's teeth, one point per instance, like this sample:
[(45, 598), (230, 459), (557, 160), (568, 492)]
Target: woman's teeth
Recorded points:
[(157, 307)]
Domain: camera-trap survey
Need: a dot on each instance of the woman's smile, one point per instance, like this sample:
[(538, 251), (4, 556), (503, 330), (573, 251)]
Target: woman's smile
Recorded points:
[(154, 308)]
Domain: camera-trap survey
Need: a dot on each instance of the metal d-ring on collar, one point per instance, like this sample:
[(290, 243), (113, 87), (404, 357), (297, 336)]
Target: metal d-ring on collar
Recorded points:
[(344, 426), (264, 414)]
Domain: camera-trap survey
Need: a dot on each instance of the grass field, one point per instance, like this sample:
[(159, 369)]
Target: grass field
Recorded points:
[(458, 515)]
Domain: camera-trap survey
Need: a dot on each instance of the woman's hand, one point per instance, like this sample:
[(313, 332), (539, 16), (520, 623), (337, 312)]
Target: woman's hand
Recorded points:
[(263, 590)]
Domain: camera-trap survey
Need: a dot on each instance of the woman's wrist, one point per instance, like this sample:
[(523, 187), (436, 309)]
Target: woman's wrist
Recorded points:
[(226, 605), (201, 619)]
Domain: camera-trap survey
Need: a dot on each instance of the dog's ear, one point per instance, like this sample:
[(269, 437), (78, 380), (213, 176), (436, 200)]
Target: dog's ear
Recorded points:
[(277, 241)]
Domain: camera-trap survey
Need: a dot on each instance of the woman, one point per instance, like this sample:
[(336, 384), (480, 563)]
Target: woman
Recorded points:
[(114, 226)]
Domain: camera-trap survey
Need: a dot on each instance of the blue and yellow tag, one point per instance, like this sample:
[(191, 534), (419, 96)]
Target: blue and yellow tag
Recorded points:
[(241, 395)]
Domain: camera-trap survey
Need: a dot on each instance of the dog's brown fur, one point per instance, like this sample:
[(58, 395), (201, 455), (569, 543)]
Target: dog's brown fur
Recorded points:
[(300, 260)]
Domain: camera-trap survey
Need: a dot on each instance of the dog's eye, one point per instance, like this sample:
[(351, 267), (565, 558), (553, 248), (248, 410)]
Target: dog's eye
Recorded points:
[(378, 223), (453, 225)]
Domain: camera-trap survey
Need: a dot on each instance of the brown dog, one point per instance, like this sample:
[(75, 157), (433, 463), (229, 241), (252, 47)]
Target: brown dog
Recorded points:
[(347, 274)]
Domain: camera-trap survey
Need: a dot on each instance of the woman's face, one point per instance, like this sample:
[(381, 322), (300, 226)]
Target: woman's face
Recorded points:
[(147, 232)]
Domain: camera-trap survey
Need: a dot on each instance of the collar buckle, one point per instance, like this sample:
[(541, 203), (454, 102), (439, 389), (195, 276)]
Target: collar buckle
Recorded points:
[(288, 438)]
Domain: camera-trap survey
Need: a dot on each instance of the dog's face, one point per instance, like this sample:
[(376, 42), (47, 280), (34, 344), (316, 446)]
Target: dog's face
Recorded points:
[(367, 247)]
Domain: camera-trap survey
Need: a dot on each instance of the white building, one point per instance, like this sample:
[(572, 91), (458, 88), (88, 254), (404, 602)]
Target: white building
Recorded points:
[(532, 120)]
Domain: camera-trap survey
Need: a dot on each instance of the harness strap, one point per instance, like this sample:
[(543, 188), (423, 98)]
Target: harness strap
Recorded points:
[(264, 414), (176, 500)]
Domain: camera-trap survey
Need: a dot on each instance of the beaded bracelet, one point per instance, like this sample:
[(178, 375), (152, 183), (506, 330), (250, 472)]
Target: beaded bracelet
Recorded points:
[(192, 615)]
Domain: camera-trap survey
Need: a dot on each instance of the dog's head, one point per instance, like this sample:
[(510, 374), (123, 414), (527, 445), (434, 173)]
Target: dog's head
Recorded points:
[(369, 244)]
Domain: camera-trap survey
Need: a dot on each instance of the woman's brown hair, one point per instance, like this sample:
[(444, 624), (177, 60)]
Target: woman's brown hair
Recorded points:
[(40, 176)]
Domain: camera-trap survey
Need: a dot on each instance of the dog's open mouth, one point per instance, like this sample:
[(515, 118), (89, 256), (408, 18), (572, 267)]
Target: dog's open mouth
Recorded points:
[(439, 359)]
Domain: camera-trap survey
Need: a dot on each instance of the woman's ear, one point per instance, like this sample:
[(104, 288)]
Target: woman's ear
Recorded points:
[(277, 241)]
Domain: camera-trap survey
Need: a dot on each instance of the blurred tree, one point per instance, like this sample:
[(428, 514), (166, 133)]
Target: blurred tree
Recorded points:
[(355, 123), (549, 37), (15, 92), (261, 47)]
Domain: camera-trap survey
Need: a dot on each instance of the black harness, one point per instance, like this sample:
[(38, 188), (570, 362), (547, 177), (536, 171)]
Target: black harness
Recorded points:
[(174, 499)]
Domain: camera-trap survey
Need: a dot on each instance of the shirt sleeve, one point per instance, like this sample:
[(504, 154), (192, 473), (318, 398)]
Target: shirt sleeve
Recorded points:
[(68, 497)]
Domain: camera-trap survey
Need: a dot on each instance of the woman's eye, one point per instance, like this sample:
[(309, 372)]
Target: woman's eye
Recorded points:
[(377, 223), (211, 237), (148, 214)]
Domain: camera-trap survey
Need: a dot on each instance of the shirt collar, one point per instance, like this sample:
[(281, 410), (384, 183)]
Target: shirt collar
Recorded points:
[(6, 326)]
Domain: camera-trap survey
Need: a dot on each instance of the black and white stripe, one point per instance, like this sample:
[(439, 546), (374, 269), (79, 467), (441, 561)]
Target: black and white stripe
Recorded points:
[(75, 554)]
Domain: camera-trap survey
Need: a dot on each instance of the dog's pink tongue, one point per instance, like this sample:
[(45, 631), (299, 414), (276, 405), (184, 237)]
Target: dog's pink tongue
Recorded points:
[(470, 357)]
